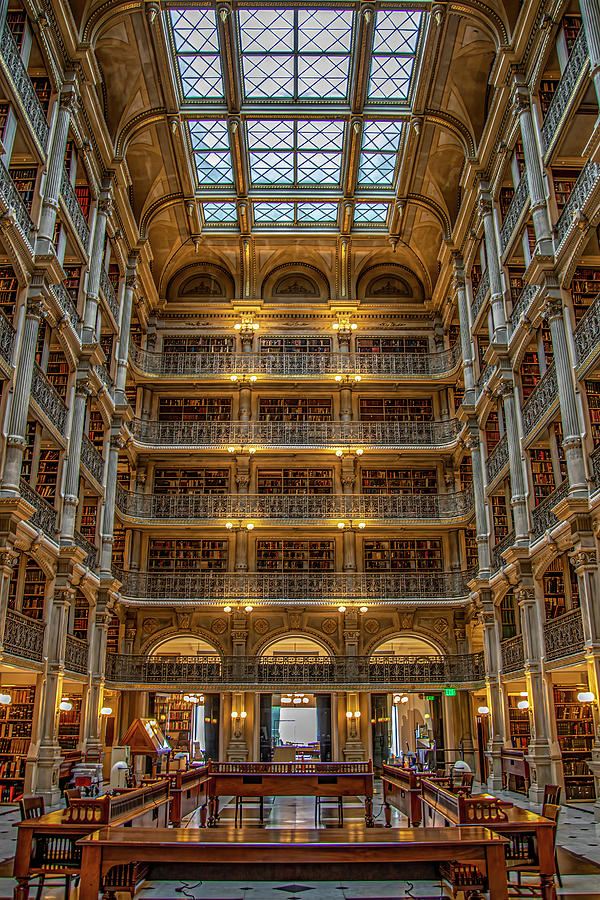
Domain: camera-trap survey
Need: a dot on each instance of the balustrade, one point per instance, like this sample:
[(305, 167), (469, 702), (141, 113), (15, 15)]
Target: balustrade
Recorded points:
[(542, 517), (91, 459), (11, 199), (220, 435), (63, 298), (104, 376), (498, 550), (566, 88), (26, 96), (481, 294), (45, 516), (108, 292), (23, 637), (513, 657), (49, 400), (76, 654), (563, 636), (587, 333), (484, 378), (575, 209), (540, 401), (522, 304), (296, 670), (74, 212), (596, 468), (90, 550), (515, 211), (7, 339), (497, 459)]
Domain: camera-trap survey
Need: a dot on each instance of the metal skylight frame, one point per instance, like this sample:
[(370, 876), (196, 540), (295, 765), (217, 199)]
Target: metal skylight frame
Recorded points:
[(370, 214), (396, 43), (211, 151), (217, 213), (295, 153), (378, 163), (196, 52), (301, 213)]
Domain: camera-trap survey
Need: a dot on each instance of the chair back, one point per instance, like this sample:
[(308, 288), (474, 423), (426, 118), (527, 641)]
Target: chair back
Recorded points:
[(552, 811), (551, 794), (32, 807), (72, 794), (467, 783)]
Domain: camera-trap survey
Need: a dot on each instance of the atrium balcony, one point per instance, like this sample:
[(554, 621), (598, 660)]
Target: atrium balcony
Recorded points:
[(23, 636), (13, 209), (481, 295), (7, 340), (542, 517), (25, 95), (514, 216), (541, 403), (497, 461), (74, 214), (568, 87), (563, 636), (587, 338), (45, 516), (579, 207), (513, 656), (50, 404)]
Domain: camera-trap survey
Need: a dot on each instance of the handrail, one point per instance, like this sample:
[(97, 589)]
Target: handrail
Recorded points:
[(570, 80), (49, 400), (74, 211), (25, 92), (540, 401), (542, 517), (515, 210), (574, 208)]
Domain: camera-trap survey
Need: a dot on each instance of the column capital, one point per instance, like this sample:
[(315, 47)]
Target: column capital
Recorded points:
[(583, 559), (36, 308), (506, 387), (553, 309), (525, 595), (485, 206), (521, 98), (83, 387), (116, 442), (105, 206)]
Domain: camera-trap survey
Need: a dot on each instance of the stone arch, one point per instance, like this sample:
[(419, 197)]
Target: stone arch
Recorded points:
[(297, 281), (389, 282), (436, 646), (283, 633), (156, 640), (206, 282)]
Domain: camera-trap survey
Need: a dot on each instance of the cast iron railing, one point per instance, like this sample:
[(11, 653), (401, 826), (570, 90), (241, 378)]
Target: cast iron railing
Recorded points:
[(575, 207), (74, 211), (481, 293), (45, 515), (497, 459), (539, 401), (109, 293), (7, 339), (587, 333), (542, 517), (91, 459), (513, 657), (49, 400), (15, 206), (76, 654), (27, 97), (522, 304), (498, 550), (23, 636), (563, 636), (64, 300), (568, 84), (515, 211)]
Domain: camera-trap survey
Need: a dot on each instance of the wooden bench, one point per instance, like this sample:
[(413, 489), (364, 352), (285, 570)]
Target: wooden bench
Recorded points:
[(307, 779), (49, 844), (402, 790), (514, 765), (189, 790), (251, 854)]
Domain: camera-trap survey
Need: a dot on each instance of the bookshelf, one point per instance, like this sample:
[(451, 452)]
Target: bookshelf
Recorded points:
[(131, 394), (184, 555), (482, 347), (288, 344), (9, 288), (69, 155), (198, 344), (454, 334), (179, 722), (191, 409), (43, 89), (547, 90), (81, 616), (471, 555), (112, 638), (505, 199), (570, 25), (575, 730), (492, 430), (69, 724), (508, 616), (72, 281), (547, 344), (136, 334), (465, 471), (405, 556), (191, 481), (392, 345), (294, 481), (106, 343), (15, 736), (500, 516), (530, 372), (4, 110), (519, 730), (584, 289), (564, 182), (16, 19), (124, 473), (519, 157), (57, 371), (396, 409), (398, 481), (84, 196), (558, 438), (96, 429), (515, 281), (475, 277), (28, 451), (553, 584), (118, 547), (542, 473), (114, 276), (24, 178), (89, 514), (458, 392), (40, 343), (34, 590), (294, 409), (47, 474), (295, 556), (592, 390)]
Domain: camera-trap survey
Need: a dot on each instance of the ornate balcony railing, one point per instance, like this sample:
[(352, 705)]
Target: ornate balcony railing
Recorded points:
[(91, 459), (49, 400), (220, 435), (522, 304), (319, 587), (26, 96), (514, 213), (90, 550), (104, 376), (74, 211), (497, 459), (563, 636), (567, 86), (484, 378), (481, 293), (15, 206), (109, 294), (380, 365), (7, 339), (45, 516), (596, 468), (23, 636), (540, 401), (76, 654), (295, 670), (498, 550), (513, 657), (542, 517), (587, 333), (294, 508), (575, 207), (63, 298)]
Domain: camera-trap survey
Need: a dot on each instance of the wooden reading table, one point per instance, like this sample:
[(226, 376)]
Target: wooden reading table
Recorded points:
[(49, 844), (306, 779), (311, 854)]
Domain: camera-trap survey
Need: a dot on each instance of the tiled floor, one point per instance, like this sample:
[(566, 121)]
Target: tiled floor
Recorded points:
[(578, 857)]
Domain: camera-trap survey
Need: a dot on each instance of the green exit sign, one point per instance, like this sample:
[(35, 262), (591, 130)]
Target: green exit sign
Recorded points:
[(450, 692), (430, 697)]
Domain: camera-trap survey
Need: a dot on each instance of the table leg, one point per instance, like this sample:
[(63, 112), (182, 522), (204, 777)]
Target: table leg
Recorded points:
[(369, 820), (497, 874), (545, 844), (388, 815), (203, 816), (91, 865), (21, 891)]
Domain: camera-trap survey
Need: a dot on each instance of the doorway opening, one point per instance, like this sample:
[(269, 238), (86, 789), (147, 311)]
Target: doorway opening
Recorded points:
[(295, 727)]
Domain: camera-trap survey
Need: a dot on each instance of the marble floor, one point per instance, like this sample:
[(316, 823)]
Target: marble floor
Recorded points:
[(578, 858)]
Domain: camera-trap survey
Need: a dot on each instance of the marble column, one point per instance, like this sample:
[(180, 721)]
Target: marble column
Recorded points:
[(71, 495), (108, 519), (465, 331), (554, 313), (345, 404), (481, 522), (19, 408), (533, 173), (97, 651), (124, 328), (9, 561), (96, 263), (56, 166), (486, 213), (245, 404), (517, 480), (242, 480), (590, 13), (349, 547), (491, 644)]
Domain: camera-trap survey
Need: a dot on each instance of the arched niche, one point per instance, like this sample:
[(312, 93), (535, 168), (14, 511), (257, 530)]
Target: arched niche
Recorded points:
[(406, 645), (389, 283), (201, 283), (184, 645), (295, 645), (296, 283)]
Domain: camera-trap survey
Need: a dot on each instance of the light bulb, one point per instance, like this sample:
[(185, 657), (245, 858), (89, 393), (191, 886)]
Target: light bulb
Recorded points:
[(360, 451), (253, 378), (483, 710), (237, 326), (341, 525), (404, 699), (348, 714), (335, 326), (297, 699), (286, 699), (233, 377), (250, 526), (339, 452), (362, 525), (523, 704), (231, 449), (364, 609), (338, 378), (234, 714), (341, 609), (226, 609), (585, 697), (354, 326), (255, 326), (248, 608), (305, 700), (228, 524), (200, 699), (5, 699), (65, 705), (243, 714), (251, 449), (523, 694), (396, 698), (357, 714), (358, 377), (106, 711)]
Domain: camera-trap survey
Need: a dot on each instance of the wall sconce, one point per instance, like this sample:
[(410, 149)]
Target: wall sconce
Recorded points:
[(404, 699), (106, 711), (227, 609), (237, 719), (286, 699), (350, 525), (352, 716), (586, 697), (357, 452), (483, 710), (344, 326), (239, 526), (342, 609), (250, 450), (248, 609), (363, 609), (243, 379), (523, 704), (5, 699), (65, 705), (247, 326), (348, 379)]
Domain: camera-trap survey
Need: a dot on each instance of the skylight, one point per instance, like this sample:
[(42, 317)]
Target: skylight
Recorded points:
[(394, 48), (224, 213), (284, 213), (210, 146), (296, 54), (371, 213), (295, 153), (379, 153), (197, 53)]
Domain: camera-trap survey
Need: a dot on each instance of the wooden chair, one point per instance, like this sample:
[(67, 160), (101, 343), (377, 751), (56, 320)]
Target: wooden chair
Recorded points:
[(34, 808), (338, 801), (239, 808), (467, 784), (552, 811), (551, 795), (72, 794), (521, 853)]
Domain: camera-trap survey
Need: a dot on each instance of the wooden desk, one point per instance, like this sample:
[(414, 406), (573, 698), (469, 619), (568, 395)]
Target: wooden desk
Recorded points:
[(526, 830), (514, 764), (189, 790), (402, 790), (176, 854), (49, 844), (305, 779)]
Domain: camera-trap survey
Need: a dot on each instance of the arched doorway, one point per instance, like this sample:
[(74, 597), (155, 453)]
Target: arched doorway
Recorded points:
[(295, 645), (187, 645)]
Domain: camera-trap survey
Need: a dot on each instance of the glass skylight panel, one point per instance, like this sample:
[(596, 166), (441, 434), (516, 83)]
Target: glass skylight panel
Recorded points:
[(197, 53), (301, 54), (317, 213), (394, 48), (224, 213), (299, 213), (210, 146), (273, 213), (295, 152), (371, 213), (380, 144)]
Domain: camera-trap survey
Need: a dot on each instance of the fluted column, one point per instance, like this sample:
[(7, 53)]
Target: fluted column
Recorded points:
[(518, 491), (124, 329), (491, 645), (98, 639), (590, 13), (481, 522), (349, 547), (82, 392), (465, 331), (9, 561), (554, 313), (486, 212), (533, 165), (345, 405), (108, 519), (245, 404), (96, 263), (19, 408), (56, 166)]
